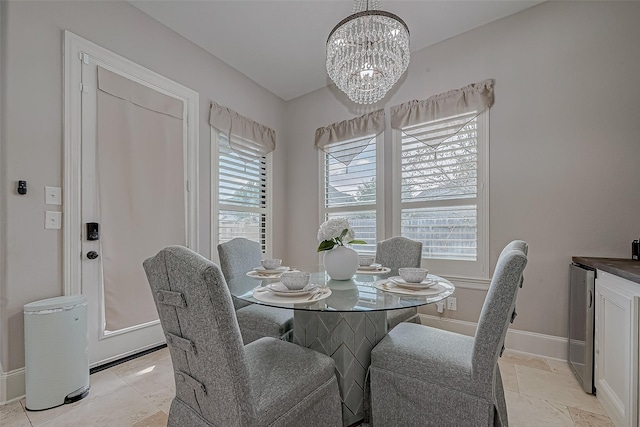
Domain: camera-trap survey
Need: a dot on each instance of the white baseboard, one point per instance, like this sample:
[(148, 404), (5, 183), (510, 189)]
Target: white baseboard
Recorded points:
[(12, 383), (126, 354), (522, 341), (12, 386)]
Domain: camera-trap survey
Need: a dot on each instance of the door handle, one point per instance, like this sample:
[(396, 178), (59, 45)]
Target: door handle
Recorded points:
[(590, 299), (92, 254)]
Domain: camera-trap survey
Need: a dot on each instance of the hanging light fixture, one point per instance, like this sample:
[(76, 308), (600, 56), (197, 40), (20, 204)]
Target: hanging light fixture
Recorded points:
[(367, 52)]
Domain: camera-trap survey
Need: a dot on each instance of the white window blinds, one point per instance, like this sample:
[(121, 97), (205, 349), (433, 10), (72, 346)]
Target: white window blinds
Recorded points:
[(355, 184), (241, 183), (350, 192), (439, 187), (242, 195)]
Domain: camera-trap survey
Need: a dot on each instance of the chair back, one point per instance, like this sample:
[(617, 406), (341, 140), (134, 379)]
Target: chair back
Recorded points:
[(520, 245), (397, 252), (498, 309), (203, 336), (239, 256)]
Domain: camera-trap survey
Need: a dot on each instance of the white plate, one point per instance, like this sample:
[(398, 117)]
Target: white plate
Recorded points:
[(265, 296), (381, 270), (278, 270), (370, 267), (281, 290), (425, 284), (436, 289)]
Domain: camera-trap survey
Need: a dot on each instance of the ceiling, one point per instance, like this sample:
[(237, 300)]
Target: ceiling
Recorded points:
[(281, 44)]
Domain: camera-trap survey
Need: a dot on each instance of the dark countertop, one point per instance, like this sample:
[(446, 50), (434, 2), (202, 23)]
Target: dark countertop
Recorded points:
[(626, 268)]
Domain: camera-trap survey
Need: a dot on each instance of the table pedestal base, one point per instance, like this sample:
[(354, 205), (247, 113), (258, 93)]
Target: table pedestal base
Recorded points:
[(348, 337)]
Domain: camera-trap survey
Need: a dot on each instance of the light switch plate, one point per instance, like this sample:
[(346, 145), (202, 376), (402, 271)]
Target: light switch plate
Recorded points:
[(52, 195), (52, 220)]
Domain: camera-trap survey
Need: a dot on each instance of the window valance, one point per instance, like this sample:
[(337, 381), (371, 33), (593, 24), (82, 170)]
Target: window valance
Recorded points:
[(462, 104), (245, 135), (474, 97), (353, 135)]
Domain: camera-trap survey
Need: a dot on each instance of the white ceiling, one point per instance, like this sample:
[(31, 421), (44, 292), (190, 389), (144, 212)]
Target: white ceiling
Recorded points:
[(281, 44)]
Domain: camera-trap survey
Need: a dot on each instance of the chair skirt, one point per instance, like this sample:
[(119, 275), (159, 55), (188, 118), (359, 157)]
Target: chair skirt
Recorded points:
[(398, 400)]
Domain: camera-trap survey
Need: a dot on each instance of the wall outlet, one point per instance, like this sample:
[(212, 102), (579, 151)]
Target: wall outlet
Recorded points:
[(440, 307), (452, 304)]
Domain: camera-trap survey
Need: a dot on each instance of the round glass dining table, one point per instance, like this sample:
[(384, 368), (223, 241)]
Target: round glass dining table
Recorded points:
[(345, 323), (359, 294)]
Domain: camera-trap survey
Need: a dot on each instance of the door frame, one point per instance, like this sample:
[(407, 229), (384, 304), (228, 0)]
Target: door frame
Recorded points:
[(74, 47)]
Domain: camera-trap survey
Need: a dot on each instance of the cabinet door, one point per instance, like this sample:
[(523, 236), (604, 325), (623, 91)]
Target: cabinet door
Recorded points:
[(617, 348)]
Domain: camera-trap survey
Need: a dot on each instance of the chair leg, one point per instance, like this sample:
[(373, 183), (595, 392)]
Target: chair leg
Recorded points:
[(366, 405), (414, 319), (501, 418), (287, 336)]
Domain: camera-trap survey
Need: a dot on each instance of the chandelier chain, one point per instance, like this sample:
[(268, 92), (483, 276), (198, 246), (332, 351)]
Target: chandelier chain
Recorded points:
[(364, 5)]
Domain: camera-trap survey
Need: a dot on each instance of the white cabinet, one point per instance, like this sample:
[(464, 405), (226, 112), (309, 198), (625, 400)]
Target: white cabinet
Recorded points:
[(616, 347)]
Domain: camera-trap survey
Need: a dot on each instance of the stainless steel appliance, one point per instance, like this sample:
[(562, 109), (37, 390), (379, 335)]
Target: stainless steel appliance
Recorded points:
[(581, 329)]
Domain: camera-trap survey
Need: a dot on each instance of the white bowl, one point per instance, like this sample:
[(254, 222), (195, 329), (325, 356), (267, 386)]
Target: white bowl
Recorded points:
[(295, 280), (365, 260), (413, 275), (271, 264)]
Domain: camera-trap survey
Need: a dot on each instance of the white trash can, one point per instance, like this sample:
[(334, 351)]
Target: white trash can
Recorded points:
[(56, 351)]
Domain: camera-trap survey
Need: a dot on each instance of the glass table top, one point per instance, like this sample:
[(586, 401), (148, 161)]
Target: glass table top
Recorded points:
[(357, 294)]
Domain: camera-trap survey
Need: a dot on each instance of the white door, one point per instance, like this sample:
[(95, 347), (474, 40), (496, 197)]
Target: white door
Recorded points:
[(111, 333)]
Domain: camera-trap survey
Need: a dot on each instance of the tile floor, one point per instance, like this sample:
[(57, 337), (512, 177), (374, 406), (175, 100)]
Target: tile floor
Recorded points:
[(539, 392)]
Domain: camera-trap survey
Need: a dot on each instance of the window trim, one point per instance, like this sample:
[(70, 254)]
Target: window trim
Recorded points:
[(379, 206), (478, 269), (215, 205)]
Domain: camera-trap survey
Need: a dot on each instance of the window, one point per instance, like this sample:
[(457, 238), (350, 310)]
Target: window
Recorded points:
[(353, 191), (241, 186), (442, 191), (240, 178)]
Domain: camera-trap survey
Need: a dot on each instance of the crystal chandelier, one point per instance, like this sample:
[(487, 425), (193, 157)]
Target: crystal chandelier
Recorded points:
[(367, 52)]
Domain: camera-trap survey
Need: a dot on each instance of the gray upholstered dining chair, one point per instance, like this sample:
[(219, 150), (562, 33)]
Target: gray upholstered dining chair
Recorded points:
[(237, 257), (220, 381), (397, 252), (427, 376)]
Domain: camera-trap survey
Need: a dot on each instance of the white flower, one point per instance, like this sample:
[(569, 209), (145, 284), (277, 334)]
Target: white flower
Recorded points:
[(333, 228), (330, 234)]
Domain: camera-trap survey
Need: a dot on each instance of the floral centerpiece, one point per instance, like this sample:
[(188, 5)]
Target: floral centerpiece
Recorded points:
[(336, 232), (340, 262)]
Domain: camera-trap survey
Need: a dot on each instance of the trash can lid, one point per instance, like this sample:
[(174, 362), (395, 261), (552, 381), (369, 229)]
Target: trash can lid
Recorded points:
[(53, 303)]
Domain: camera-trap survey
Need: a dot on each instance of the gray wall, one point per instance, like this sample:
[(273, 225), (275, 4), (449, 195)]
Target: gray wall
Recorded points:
[(564, 138), (3, 175), (564, 150), (32, 147)]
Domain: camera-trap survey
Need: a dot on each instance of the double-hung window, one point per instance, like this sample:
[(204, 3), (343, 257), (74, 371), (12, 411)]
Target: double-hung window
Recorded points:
[(241, 183), (351, 178), (441, 190)]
